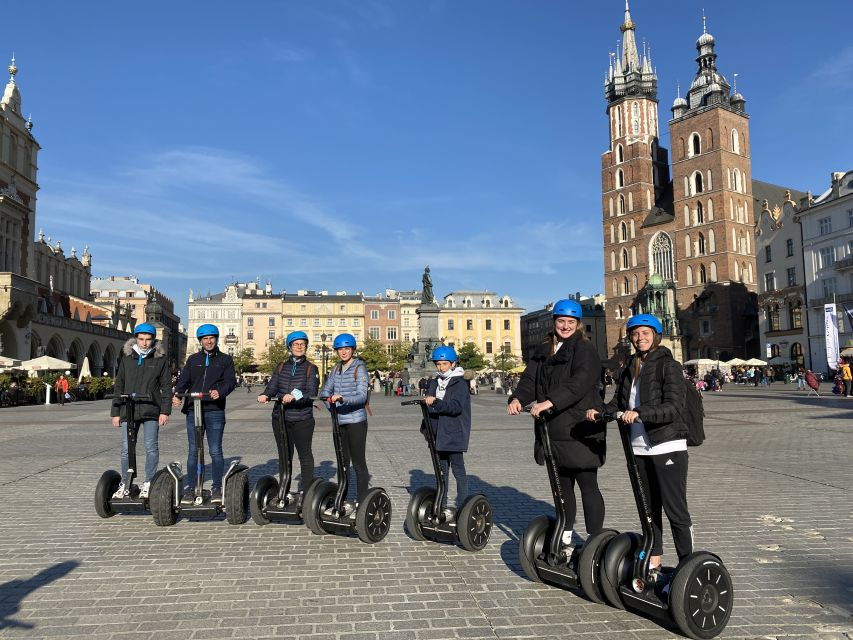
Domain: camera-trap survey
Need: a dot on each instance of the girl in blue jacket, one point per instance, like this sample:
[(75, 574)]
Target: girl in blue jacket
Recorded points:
[(449, 402)]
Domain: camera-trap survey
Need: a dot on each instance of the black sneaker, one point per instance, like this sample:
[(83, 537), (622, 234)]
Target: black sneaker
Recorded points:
[(216, 494), (188, 496)]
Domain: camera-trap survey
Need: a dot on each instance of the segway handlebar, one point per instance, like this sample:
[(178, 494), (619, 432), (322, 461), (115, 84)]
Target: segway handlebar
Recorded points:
[(194, 394), (411, 402), (134, 396)]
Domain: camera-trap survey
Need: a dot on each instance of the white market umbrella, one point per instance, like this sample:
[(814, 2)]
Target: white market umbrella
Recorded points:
[(85, 370), (701, 362), (47, 363), (755, 362), (734, 362), (8, 364)]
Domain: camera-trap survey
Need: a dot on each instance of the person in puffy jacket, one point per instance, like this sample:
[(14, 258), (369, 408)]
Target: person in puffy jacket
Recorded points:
[(143, 370), (652, 398), (294, 382), (561, 380), (347, 385), (449, 402)]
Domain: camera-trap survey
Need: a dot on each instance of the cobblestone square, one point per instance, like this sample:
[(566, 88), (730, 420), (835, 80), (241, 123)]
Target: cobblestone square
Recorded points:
[(770, 492)]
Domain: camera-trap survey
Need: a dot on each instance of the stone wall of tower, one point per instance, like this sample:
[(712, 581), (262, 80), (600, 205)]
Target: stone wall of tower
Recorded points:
[(714, 226)]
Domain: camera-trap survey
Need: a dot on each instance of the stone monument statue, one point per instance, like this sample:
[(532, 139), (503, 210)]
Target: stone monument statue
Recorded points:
[(426, 295)]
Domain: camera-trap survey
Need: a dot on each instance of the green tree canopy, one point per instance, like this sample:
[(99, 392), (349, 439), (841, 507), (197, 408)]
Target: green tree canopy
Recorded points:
[(243, 359), (470, 357), (397, 357), (275, 353), (505, 361), (374, 354)]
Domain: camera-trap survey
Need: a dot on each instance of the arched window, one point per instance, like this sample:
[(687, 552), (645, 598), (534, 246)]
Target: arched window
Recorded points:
[(620, 178), (695, 145), (738, 274), (713, 272), (712, 244), (633, 230), (624, 258), (689, 276), (795, 311), (736, 180), (621, 205), (613, 261), (612, 235), (683, 147), (633, 256), (700, 245), (773, 317), (634, 283), (710, 210), (688, 247), (635, 118), (615, 287), (620, 156), (686, 216), (735, 141), (623, 232), (710, 138), (625, 290), (748, 269), (662, 255), (619, 121), (700, 213), (703, 278), (619, 313), (697, 183), (797, 354)]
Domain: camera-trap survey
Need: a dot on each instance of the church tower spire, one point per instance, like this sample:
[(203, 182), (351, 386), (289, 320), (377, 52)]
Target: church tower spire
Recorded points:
[(11, 99), (630, 57), (631, 75)]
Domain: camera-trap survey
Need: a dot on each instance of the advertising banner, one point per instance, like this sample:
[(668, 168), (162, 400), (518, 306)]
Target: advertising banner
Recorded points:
[(830, 323)]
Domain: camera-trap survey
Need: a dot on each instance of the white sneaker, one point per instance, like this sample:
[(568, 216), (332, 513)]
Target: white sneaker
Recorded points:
[(121, 492), (145, 487)]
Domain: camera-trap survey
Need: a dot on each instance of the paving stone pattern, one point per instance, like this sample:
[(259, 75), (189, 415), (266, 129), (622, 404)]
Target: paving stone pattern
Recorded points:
[(770, 491)]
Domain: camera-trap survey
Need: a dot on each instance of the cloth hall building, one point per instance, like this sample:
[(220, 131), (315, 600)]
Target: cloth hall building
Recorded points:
[(679, 235)]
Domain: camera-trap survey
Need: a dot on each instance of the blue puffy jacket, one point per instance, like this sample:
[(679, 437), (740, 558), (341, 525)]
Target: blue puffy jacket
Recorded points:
[(451, 416), (352, 385)]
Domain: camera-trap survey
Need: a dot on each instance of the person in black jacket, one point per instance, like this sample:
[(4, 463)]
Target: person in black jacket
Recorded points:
[(295, 382), (144, 370), (207, 371), (561, 380), (651, 396), (449, 402)]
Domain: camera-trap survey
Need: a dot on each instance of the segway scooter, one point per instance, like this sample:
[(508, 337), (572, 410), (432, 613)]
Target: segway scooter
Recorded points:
[(106, 505), (426, 520), (542, 554), (696, 595), (325, 511), (165, 495), (271, 500)]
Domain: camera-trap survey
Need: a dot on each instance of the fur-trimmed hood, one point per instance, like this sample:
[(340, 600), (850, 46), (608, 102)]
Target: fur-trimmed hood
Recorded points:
[(159, 348)]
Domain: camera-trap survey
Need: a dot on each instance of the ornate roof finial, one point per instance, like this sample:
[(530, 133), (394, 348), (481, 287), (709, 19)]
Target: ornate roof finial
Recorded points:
[(13, 69), (29, 124), (735, 83), (677, 89), (704, 22), (41, 235)]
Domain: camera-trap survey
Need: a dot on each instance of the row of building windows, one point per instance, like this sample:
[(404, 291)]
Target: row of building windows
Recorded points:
[(789, 250), (469, 325), (770, 279), (374, 314), (794, 313), (693, 147), (390, 333)]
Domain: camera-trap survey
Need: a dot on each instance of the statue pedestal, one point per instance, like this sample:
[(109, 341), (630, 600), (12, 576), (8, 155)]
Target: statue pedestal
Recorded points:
[(429, 336)]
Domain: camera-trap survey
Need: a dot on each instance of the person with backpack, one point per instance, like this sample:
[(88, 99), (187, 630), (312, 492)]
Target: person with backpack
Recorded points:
[(652, 400), (561, 380), (347, 384), (295, 382), (449, 400)]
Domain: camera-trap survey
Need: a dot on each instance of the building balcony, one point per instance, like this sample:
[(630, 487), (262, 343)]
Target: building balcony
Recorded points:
[(845, 264), (839, 297)]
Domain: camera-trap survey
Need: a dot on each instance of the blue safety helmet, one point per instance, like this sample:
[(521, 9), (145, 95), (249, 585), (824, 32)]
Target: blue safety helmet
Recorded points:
[(206, 330), (145, 328), (644, 320), (570, 308), (344, 340), (444, 353), (295, 335)]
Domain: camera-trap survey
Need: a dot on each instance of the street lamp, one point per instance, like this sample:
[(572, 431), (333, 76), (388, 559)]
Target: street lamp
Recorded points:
[(324, 351)]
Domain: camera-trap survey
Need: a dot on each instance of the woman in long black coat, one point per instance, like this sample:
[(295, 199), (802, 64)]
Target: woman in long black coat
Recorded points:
[(562, 379)]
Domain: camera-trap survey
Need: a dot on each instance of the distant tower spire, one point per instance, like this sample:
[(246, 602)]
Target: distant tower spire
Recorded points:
[(13, 69), (630, 57)]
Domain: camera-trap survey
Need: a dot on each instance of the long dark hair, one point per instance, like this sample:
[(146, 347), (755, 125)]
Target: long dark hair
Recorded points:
[(640, 356)]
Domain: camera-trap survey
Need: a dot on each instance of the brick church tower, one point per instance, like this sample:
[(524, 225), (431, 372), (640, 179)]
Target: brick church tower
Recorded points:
[(682, 248)]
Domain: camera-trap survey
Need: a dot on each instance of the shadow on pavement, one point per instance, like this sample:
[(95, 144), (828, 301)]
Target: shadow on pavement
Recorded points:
[(13, 592)]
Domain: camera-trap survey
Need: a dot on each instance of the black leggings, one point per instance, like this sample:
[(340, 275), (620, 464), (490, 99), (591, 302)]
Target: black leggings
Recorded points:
[(593, 502), (300, 434), (354, 441), (664, 479), (454, 460)]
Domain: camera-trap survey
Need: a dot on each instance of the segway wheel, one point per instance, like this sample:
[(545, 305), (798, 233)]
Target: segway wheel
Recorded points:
[(318, 498), (237, 498), (419, 505), (617, 565), (474, 523), (589, 565), (104, 490), (161, 499), (266, 489), (532, 543), (373, 518), (701, 596)]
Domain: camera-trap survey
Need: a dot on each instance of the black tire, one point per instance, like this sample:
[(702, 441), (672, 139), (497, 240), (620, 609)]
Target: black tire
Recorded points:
[(589, 564), (701, 596), (266, 490), (104, 490), (617, 565), (419, 505), (161, 499), (373, 518), (317, 498), (532, 543), (237, 498), (474, 523)]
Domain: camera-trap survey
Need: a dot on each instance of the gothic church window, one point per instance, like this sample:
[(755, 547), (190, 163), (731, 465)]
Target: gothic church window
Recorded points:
[(689, 276), (700, 213), (700, 245), (612, 235), (695, 145), (633, 230), (713, 272), (712, 244), (662, 255), (795, 315), (697, 183), (624, 258), (613, 261), (633, 256), (703, 278), (735, 141), (621, 205), (635, 118), (619, 155), (620, 178), (625, 289), (688, 247), (623, 232), (615, 288), (634, 283), (710, 139), (736, 180)]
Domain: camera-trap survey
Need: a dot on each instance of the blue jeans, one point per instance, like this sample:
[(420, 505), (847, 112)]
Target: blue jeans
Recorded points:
[(149, 429), (214, 426)]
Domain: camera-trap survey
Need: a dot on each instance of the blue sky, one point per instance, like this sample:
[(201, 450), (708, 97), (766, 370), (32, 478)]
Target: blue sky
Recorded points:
[(343, 145)]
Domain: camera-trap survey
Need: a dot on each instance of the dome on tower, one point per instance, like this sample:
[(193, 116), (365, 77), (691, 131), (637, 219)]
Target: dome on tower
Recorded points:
[(704, 40), (679, 102), (714, 87)]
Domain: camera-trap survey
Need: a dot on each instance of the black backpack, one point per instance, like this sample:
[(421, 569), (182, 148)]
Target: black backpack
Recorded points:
[(694, 412)]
